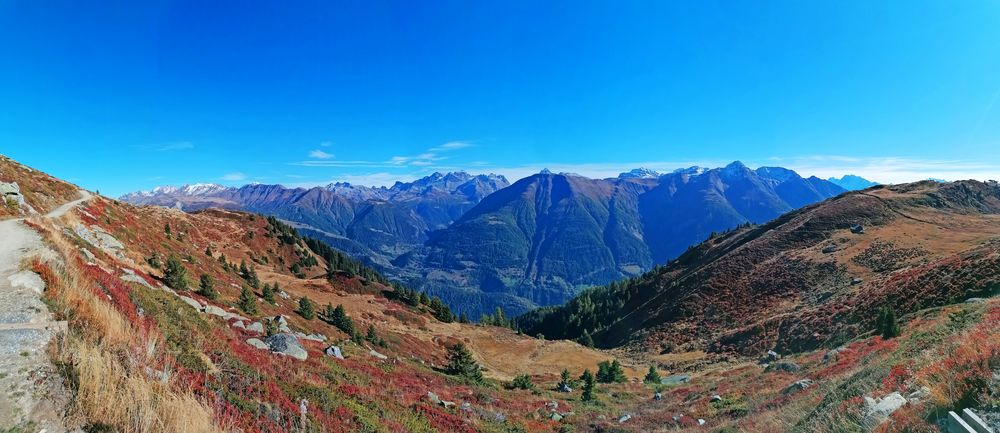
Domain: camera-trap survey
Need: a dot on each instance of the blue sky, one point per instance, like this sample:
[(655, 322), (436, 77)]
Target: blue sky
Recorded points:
[(127, 96)]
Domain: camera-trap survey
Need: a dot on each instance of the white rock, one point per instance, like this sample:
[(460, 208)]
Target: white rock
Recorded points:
[(258, 344), (192, 302), (880, 410), (256, 327)]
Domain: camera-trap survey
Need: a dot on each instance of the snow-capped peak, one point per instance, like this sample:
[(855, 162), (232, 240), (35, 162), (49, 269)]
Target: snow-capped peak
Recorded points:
[(640, 173)]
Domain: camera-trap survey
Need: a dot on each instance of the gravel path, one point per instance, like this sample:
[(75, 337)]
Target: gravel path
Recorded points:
[(29, 385)]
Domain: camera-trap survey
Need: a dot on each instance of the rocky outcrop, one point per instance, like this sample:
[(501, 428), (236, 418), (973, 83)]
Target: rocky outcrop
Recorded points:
[(288, 345)]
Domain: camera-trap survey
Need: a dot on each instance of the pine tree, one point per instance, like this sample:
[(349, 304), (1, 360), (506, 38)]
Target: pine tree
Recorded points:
[(206, 287), (652, 376), (588, 385), (564, 380), (268, 294), (585, 339), (461, 363), (175, 276), (247, 301), (306, 308), (463, 318), (166, 229), (888, 325), (522, 381), (617, 373), (371, 336)]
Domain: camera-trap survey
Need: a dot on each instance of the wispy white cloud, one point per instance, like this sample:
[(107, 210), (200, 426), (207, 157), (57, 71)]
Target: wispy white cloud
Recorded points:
[(319, 154), (325, 144), (451, 145), (180, 145), (233, 177), (889, 169)]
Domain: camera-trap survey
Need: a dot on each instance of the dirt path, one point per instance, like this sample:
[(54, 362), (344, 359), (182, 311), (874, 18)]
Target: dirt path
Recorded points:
[(29, 384)]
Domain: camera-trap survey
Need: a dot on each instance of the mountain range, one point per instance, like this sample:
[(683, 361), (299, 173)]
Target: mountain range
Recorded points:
[(479, 242)]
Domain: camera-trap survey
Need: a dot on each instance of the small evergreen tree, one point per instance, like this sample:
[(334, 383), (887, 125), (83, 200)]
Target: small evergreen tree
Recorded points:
[(175, 276), (652, 376), (888, 324), (463, 318), (588, 385), (206, 287), (610, 372), (247, 301), (585, 339), (166, 229), (461, 363), (564, 380), (268, 294), (522, 381), (306, 308)]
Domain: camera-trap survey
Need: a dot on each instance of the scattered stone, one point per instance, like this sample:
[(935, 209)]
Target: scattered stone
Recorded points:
[(797, 386), (213, 310), (658, 396), (975, 300), (786, 366), (287, 344), (258, 344), (556, 417), (624, 418), (334, 351), (372, 352), (769, 357), (256, 327), (284, 295), (830, 249), (879, 410), (832, 354), (857, 229), (715, 398), (565, 388), (856, 280), (676, 379), (239, 325), (919, 394), (433, 398), (701, 421), (99, 238)]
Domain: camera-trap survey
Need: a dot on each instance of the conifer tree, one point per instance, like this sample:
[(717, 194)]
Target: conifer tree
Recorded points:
[(206, 287), (461, 363), (268, 294), (306, 308), (175, 276), (247, 301), (588, 385), (652, 376), (564, 380), (586, 339), (888, 325)]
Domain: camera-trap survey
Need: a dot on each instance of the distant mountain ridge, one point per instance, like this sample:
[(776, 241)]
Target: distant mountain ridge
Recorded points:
[(852, 182), (479, 242)]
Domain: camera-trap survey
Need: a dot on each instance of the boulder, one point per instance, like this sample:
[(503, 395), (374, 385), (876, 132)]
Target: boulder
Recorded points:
[(797, 386), (288, 345), (676, 379), (769, 357), (372, 352), (715, 398), (830, 249), (215, 311), (879, 410), (334, 351), (192, 302), (256, 327), (832, 354), (258, 344), (239, 324)]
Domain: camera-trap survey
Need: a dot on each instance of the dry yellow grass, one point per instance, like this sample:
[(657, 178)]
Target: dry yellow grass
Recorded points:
[(107, 356)]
